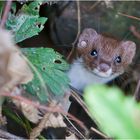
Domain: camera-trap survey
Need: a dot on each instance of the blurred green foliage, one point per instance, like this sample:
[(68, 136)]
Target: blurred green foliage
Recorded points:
[(117, 115), (21, 121)]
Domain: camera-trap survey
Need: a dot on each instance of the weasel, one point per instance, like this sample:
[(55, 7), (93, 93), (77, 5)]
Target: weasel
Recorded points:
[(99, 59)]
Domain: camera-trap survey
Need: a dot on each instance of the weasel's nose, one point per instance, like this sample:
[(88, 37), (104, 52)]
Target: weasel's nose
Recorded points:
[(104, 67)]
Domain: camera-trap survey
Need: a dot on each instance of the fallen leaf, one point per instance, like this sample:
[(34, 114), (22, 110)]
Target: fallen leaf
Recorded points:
[(55, 121), (48, 120)]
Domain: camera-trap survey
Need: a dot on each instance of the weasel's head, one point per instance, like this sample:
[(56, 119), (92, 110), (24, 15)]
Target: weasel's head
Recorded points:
[(104, 56)]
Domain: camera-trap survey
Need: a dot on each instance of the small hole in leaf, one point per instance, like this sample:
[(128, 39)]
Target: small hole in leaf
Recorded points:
[(12, 11), (36, 8), (63, 57), (38, 89), (39, 25), (44, 68), (57, 61)]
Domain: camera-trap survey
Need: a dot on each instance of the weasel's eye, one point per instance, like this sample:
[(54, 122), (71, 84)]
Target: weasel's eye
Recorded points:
[(93, 53), (118, 59)]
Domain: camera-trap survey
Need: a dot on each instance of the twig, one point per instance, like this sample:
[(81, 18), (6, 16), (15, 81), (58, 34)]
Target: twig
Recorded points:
[(133, 30), (98, 132), (129, 16), (57, 109), (79, 29), (136, 93), (80, 134), (5, 13), (94, 5), (37, 130), (81, 102), (42, 124)]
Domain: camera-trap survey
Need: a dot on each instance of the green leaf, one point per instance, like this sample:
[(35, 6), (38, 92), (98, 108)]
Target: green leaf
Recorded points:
[(32, 8), (1, 8), (16, 118), (118, 116), (26, 23), (51, 66)]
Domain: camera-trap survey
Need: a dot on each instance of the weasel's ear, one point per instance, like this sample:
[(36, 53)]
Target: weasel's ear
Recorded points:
[(129, 48), (87, 36)]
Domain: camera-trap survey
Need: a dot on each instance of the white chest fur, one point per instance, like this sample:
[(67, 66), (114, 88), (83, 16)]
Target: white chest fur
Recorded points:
[(81, 77)]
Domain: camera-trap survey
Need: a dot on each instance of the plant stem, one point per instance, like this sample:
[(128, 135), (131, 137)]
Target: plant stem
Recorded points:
[(5, 13)]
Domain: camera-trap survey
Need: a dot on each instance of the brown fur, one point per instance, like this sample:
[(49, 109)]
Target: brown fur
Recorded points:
[(108, 49)]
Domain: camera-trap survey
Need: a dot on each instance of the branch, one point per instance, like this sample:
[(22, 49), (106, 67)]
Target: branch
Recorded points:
[(5, 13), (135, 32), (79, 29), (129, 16), (57, 109), (136, 94)]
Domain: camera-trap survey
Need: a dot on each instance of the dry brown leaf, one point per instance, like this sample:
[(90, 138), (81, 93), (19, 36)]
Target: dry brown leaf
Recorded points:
[(55, 121), (13, 68), (29, 111), (48, 120), (33, 114)]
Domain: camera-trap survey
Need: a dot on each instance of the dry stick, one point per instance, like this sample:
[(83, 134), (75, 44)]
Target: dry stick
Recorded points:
[(81, 102), (49, 109), (129, 16), (94, 5), (98, 132), (5, 13), (136, 93), (42, 124), (132, 28), (135, 33), (79, 29), (37, 130), (80, 134)]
